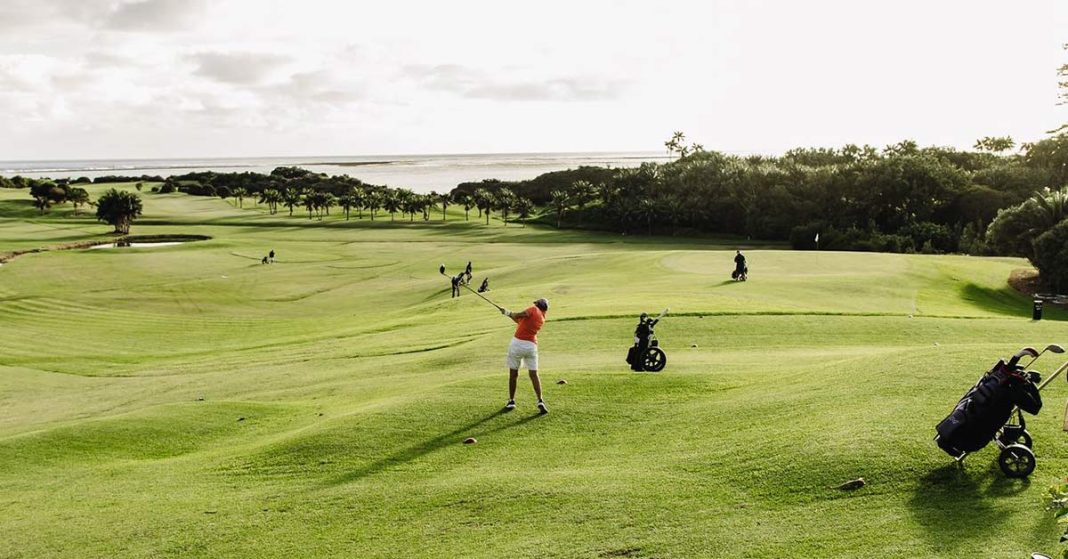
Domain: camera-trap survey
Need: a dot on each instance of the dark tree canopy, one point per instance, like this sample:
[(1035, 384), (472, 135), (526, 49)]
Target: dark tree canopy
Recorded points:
[(118, 208)]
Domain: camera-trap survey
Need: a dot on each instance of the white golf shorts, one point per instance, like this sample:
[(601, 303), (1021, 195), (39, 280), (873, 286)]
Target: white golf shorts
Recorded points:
[(522, 351)]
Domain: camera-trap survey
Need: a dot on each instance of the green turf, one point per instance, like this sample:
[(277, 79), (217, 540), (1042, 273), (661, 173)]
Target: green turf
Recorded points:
[(124, 372)]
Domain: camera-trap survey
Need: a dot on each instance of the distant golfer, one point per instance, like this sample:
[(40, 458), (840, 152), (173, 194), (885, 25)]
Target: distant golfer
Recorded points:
[(456, 281), (484, 287), (524, 349), (271, 255), (740, 269)]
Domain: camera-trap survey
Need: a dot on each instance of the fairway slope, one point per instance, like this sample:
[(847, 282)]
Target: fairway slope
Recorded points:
[(189, 401)]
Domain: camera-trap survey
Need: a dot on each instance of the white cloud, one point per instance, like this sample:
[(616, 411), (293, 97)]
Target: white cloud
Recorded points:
[(157, 78)]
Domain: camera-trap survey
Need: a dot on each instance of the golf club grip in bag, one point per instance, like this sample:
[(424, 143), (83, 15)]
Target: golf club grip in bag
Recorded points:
[(985, 408)]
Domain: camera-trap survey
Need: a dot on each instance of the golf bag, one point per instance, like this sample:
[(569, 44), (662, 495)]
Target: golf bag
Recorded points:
[(645, 354), (740, 273), (986, 408)]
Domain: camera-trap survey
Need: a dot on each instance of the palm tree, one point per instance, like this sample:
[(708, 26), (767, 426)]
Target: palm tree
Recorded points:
[(646, 211), (426, 203), (481, 198), (359, 198), (118, 208), (346, 203), (291, 198), (239, 195), (1053, 208), (581, 192), (372, 202), (467, 202), (327, 201), (392, 204), (310, 202), (523, 207), (674, 208), (505, 200), (559, 201), (484, 201), (410, 203), (272, 198), (445, 199)]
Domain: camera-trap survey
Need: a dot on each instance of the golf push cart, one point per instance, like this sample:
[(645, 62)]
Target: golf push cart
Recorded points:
[(988, 410), (645, 354)]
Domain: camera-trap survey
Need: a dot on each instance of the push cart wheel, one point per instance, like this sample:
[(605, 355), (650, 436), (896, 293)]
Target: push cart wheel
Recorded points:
[(1025, 439), (1016, 460), (655, 359)]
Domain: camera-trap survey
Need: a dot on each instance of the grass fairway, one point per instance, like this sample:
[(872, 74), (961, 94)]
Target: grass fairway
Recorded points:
[(124, 375)]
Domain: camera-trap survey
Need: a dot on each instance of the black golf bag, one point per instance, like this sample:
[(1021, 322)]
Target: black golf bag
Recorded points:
[(741, 273), (986, 408)]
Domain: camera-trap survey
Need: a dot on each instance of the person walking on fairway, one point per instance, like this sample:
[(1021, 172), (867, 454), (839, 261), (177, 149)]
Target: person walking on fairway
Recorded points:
[(740, 268), (524, 349)]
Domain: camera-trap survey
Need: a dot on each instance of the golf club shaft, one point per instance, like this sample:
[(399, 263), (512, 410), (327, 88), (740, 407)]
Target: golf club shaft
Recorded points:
[(500, 308), (1053, 376)]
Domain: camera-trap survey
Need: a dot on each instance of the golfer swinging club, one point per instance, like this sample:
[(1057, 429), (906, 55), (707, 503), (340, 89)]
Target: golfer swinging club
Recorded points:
[(524, 348)]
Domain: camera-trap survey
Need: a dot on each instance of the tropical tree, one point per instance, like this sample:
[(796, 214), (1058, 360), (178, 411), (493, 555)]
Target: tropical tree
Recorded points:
[(347, 202), (559, 201), (391, 202), (445, 199), (1051, 256), (523, 207), (373, 201), (45, 193), (481, 198), (359, 198), (484, 201), (78, 197), (327, 201), (272, 198), (674, 208), (410, 204), (118, 208), (309, 201), (239, 194), (467, 202), (426, 204), (581, 193), (292, 198), (646, 211), (995, 144), (505, 201)]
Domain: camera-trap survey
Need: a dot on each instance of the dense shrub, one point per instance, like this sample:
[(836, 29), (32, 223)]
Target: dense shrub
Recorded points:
[(1051, 257)]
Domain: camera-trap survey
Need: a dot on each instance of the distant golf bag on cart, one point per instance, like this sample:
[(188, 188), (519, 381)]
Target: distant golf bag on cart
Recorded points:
[(645, 354), (986, 411)]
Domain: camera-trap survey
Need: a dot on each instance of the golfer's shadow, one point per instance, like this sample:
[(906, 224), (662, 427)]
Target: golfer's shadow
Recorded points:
[(420, 450)]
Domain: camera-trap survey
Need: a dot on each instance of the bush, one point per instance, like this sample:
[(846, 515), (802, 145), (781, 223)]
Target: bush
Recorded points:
[(935, 238), (1051, 256)]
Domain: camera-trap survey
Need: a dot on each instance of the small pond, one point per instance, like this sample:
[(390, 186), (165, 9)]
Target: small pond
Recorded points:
[(122, 244)]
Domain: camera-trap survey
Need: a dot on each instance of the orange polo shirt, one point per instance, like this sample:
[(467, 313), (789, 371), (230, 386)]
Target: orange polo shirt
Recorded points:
[(529, 326)]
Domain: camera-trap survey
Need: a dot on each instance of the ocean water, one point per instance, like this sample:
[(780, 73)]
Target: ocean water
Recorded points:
[(421, 173)]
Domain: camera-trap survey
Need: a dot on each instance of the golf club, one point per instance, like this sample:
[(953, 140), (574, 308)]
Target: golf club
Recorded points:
[(662, 313), (1051, 347), (1021, 354), (500, 308)]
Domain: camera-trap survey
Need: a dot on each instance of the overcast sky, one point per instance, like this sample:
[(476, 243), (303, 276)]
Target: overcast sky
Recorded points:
[(204, 78)]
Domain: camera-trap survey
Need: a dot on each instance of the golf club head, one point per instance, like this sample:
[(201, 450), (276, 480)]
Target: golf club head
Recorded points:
[(1054, 348), (1026, 352)]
